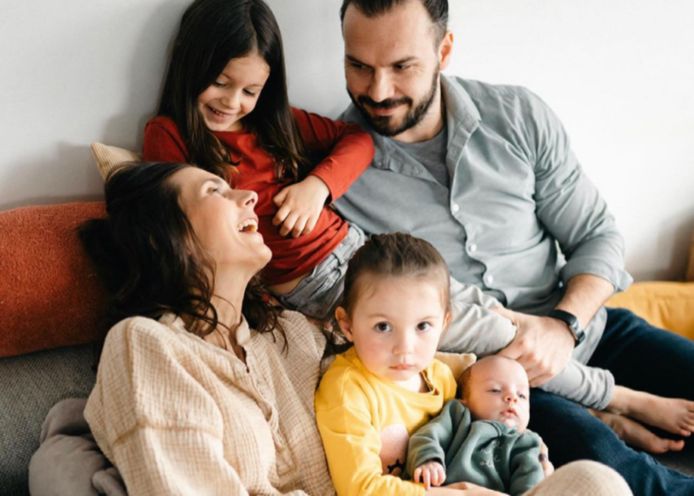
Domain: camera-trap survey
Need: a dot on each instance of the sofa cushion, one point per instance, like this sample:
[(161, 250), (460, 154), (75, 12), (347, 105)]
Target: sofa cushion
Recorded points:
[(31, 384), (664, 304), (50, 294), (108, 156)]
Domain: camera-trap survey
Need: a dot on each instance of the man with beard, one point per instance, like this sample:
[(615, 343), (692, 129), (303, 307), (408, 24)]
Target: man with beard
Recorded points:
[(486, 174)]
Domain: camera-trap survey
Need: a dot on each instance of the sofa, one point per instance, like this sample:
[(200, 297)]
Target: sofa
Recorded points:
[(53, 312)]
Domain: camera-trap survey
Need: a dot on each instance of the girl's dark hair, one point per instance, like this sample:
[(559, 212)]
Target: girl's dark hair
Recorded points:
[(211, 33), (437, 10), (147, 254), (394, 254)]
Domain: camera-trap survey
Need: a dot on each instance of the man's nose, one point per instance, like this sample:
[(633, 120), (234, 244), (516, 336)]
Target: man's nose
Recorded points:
[(381, 87)]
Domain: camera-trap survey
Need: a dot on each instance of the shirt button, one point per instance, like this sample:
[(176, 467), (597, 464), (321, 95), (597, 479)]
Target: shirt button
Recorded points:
[(472, 248), (454, 208), (489, 279)]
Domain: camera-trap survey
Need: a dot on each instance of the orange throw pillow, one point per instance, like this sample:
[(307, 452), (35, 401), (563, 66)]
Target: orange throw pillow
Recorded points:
[(50, 294)]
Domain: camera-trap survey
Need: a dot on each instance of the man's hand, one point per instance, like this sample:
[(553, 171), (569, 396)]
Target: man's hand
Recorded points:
[(542, 345), (300, 205), (430, 474)]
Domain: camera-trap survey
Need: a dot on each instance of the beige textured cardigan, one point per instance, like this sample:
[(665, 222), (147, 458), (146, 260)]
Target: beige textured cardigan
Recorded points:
[(179, 415)]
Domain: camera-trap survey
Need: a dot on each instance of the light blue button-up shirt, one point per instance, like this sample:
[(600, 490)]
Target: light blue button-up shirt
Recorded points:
[(520, 217)]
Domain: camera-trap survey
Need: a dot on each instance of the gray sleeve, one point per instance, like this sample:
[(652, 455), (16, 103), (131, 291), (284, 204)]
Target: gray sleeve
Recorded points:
[(590, 386), (474, 328), (569, 205)]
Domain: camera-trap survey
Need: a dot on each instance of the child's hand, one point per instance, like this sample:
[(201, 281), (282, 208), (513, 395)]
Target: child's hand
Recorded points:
[(430, 474), (300, 205)]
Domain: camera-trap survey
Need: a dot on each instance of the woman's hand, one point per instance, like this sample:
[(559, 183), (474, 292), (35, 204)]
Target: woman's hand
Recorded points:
[(430, 474), (300, 205)]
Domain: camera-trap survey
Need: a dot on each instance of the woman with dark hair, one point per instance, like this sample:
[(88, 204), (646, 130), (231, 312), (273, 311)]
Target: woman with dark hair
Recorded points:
[(204, 387)]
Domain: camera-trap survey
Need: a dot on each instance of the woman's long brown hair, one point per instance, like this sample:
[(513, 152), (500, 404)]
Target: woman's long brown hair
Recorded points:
[(142, 251)]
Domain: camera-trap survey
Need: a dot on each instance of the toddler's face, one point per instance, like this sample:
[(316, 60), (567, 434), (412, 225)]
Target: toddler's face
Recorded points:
[(395, 325), (234, 93), (498, 390)]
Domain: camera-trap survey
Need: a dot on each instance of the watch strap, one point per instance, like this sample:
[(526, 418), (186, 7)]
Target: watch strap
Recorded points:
[(571, 322)]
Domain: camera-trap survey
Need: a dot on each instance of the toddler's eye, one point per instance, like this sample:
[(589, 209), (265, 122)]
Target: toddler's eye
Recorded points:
[(523, 396), (495, 390), (382, 327), (423, 326)]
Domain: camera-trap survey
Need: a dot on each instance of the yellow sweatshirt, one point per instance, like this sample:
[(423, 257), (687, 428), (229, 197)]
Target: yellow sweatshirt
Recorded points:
[(365, 423)]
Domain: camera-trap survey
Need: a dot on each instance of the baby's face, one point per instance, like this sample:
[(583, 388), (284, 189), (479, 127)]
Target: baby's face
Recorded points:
[(498, 390)]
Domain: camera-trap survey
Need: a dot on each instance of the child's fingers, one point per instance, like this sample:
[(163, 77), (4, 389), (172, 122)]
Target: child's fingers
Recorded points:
[(279, 198), (417, 474), (299, 226), (288, 224), (427, 478), (281, 215), (440, 476)]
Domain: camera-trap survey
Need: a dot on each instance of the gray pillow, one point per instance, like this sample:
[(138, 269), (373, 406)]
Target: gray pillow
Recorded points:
[(68, 461)]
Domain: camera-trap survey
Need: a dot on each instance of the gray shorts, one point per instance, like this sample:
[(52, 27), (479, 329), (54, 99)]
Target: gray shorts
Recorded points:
[(319, 292)]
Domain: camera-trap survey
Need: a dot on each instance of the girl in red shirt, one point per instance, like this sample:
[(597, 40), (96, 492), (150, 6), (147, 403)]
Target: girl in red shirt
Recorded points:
[(225, 108)]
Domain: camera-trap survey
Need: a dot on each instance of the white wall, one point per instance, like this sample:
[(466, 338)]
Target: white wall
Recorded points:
[(618, 73)]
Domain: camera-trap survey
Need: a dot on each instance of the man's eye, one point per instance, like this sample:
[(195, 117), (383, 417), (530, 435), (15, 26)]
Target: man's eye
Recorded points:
[(423, 326), (382, 327), (402, 67)]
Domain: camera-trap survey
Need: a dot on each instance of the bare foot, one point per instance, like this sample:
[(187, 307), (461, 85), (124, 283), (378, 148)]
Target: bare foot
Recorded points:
[(670, 414), (636, 435)]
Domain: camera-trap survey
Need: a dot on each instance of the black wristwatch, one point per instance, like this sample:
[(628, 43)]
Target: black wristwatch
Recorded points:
[(572, 322)]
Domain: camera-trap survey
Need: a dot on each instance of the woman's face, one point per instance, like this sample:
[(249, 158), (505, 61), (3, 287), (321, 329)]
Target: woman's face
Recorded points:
[(234, 94), (223, 220)]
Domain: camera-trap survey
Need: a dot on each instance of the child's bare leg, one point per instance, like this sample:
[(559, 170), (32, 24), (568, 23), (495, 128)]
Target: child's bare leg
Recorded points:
[(636, 435), (670, 414)]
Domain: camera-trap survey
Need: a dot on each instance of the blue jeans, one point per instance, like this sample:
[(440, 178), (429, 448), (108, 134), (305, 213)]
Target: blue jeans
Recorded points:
[(319, 292), (641, 357)]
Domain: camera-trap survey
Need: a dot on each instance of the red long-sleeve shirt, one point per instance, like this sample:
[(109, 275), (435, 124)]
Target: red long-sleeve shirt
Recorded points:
[(347, 152)]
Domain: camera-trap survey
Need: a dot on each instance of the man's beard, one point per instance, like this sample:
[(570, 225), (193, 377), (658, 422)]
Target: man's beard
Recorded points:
[(413, 117)]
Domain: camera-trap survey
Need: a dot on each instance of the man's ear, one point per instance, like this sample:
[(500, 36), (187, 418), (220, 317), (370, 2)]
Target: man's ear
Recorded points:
[(344, 322), (445, 50)]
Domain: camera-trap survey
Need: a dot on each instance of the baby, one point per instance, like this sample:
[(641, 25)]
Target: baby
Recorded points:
[(481, 438)]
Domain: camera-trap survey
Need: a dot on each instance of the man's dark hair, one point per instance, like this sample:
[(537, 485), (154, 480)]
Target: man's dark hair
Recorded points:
[(437, 9)]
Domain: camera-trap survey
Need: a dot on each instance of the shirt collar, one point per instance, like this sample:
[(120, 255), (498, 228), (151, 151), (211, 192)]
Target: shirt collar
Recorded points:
[(243, 331), (462, 119)]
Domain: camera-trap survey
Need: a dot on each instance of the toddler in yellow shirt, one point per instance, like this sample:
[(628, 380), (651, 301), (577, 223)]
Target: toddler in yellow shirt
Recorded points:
[(373, 396)]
